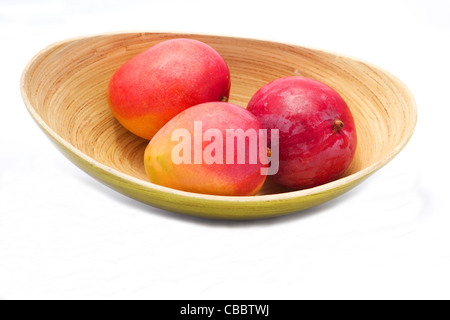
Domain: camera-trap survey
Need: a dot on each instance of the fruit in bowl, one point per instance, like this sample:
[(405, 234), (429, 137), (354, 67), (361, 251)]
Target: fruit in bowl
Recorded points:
[(317, 135), (212, 148), (151, 95), (72, 71), (169, 77)]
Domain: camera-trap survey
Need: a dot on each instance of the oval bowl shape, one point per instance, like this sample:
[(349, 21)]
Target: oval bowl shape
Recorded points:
[(64, 88)]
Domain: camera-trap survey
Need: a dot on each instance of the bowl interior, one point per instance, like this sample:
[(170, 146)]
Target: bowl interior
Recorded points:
[(67, 85)]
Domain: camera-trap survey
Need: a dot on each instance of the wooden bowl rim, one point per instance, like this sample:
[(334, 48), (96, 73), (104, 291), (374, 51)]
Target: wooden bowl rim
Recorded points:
[(259, 198)]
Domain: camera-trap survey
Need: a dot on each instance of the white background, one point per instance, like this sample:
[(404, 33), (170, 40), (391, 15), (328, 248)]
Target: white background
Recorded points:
[(65, 236)]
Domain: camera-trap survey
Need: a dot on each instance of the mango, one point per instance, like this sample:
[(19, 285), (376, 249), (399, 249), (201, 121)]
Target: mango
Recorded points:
[(317, 134), (171, 76), (213, 148)]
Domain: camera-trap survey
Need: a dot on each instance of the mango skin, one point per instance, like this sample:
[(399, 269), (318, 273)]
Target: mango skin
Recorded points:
[(313, 150), (215, 179), (154, 86)]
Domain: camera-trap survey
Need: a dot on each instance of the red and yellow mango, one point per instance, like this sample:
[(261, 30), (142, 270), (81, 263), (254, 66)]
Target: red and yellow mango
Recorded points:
[(154, 86), (212, 148)]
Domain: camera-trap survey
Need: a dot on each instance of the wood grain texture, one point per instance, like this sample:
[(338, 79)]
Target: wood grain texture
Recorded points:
[(64, 88)]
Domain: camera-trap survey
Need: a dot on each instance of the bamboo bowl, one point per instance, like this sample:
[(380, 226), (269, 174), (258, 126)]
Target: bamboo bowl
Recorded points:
[(64, 88)]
